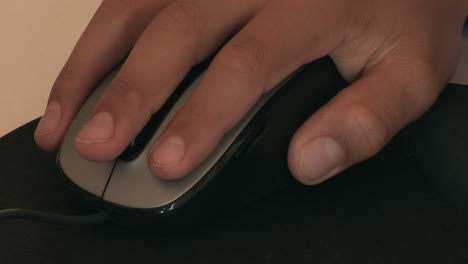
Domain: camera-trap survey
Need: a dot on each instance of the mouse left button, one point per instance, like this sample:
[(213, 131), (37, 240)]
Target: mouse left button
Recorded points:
[(90, 176)]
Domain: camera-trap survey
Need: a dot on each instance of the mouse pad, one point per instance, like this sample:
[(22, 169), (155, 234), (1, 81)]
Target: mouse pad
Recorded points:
[(408, 204)]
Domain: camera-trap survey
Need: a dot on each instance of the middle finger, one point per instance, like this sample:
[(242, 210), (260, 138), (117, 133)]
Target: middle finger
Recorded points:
[(182, 35), (283, 36)]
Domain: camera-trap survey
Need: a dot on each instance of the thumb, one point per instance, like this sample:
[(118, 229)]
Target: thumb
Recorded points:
[(361, 119)]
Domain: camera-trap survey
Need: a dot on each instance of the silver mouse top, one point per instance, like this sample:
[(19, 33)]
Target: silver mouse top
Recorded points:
[(131, 183)]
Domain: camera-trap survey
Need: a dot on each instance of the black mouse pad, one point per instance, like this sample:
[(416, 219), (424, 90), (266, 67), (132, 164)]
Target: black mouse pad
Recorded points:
[(408, 204)]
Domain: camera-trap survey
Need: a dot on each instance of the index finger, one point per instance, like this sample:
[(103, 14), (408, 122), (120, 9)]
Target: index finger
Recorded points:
[(105, 42)]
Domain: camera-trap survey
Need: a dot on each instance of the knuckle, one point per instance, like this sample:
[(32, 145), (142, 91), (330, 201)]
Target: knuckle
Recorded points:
[(420, 70), (370, 130), (420, 83), (430, 77), (68, 74), (115, 6), (126, 93), (244, 57), (423, 75), (180, 18)]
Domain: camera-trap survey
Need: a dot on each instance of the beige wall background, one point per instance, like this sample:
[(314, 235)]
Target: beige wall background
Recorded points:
[(36, 38)]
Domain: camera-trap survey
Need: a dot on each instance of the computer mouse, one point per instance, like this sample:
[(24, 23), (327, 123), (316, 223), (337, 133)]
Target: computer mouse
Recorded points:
[(249, 163)]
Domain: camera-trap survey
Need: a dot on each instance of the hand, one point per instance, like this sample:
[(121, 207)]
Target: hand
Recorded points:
[(397, 55)]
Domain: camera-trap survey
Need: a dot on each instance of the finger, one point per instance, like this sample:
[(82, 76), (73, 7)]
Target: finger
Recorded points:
[(247, 66), (180, 36), (361, 119), (106, 41)]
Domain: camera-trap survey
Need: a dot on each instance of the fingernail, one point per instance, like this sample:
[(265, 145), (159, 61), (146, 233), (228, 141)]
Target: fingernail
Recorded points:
[(320, 157), (50, 120), (99, 129), (168, 153)]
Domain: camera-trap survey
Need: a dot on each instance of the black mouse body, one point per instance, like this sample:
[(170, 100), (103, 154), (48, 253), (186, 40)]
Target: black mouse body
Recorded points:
[(251, 164)]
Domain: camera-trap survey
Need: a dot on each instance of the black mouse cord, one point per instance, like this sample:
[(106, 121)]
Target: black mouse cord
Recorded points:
[(23, 214)]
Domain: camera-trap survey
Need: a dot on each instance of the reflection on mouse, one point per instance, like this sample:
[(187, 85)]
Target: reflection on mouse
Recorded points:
[(249, 162)]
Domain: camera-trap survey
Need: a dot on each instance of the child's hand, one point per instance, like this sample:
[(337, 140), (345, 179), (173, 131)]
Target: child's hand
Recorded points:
[(397, 54)]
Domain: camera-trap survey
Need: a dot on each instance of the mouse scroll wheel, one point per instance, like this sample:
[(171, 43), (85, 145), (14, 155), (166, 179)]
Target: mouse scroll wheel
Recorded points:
[(132, 144), (137, 145)]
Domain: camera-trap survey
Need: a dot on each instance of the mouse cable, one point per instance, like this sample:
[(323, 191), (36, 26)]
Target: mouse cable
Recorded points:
[(50, 218)]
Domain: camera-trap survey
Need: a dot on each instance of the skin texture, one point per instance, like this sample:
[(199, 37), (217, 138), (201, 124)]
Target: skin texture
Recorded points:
[(397, 56)]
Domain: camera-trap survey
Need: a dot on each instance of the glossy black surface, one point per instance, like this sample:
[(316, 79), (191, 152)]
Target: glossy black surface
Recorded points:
[(389, 209)]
